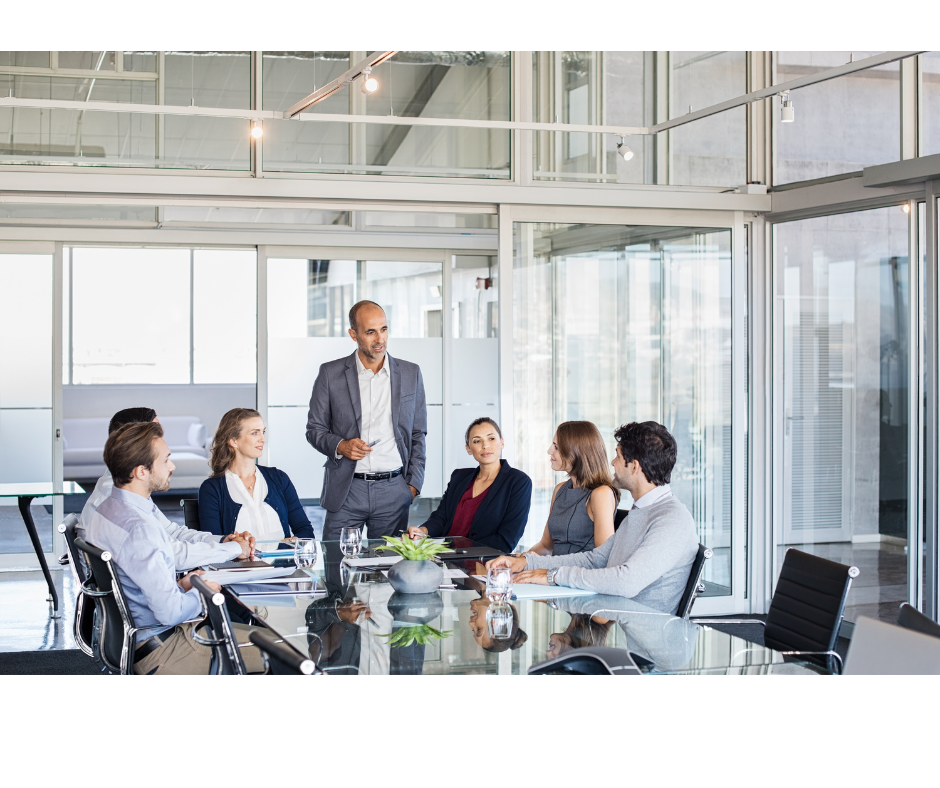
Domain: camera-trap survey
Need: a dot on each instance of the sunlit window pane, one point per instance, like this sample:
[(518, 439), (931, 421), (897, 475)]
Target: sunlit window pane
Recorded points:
[(224, 316), (130, 321)]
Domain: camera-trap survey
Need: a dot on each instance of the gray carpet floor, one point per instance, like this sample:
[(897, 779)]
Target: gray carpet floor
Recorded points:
[(60, 662)]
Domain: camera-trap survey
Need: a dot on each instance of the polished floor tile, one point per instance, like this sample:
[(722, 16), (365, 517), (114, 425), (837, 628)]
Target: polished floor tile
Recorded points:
[(26, 623)]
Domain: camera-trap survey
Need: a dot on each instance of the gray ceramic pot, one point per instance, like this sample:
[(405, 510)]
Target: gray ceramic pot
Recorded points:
[(415, 577), (415, 608)]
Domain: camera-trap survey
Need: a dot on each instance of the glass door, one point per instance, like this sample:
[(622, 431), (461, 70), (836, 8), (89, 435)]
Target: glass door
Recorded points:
[(842, 374), (614, 324)]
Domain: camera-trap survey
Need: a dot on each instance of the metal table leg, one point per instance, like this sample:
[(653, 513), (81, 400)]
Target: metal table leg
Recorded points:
[(24, 501)]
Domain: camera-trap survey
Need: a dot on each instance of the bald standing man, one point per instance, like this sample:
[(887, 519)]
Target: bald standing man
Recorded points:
[(368, 416)]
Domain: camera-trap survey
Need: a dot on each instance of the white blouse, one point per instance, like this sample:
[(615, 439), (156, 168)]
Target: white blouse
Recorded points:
[(255, 516)]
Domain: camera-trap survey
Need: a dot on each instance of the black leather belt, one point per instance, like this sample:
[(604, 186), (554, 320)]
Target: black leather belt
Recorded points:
[(152, 644), (377, 477)]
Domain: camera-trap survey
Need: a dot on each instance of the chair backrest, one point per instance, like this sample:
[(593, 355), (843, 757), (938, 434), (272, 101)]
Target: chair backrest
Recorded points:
[(76, 559), (282, 659), (806, 610), (226, 660), (116, 628), (191, 513), (910, 617), (695, 578), (882, 649), (619, 516), (84, 625)]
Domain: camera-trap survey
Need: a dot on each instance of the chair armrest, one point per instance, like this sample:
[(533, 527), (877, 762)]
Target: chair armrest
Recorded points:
[(93, 592), (706, 621)]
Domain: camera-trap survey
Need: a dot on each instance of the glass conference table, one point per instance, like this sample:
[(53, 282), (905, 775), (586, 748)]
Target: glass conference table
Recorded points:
[(355, 623), (25, 492)]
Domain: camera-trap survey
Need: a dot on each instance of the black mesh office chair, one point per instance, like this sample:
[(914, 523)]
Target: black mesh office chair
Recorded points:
[(619, 516), (910, 617), (280, 658), (191, 513), (806, 610), (117, 632), (694, 584), (217, 633), (83, 628)]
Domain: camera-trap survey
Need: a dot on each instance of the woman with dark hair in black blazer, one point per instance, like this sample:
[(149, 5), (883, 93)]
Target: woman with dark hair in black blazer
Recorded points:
[(488, 504)]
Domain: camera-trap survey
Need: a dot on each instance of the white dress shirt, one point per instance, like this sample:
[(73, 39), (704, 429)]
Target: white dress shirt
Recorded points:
[(375, 398), (190, 548), (651, 497), (255, 516)]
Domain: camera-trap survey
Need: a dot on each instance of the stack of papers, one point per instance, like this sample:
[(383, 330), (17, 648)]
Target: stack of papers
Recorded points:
[(376, 561), (226, 577)]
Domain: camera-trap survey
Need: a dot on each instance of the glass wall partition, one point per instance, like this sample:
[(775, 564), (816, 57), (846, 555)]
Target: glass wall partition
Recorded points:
[(308, 303), (460, 85), (639, 89), (94, 138), (842, 372), (841, 125), (26, 324), (614, 324)]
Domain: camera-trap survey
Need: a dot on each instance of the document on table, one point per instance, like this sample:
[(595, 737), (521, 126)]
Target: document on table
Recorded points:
[(226, 577), (377, 561)]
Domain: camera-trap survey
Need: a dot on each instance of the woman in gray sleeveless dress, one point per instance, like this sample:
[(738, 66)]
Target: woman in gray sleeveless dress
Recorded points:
[(582, 513)]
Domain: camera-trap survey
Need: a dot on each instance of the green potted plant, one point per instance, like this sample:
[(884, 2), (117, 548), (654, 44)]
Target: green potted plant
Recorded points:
[(416, 573)]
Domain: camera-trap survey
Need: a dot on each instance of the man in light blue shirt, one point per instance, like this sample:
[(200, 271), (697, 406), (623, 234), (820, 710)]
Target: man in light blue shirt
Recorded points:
[(190, 548), (127, 525)]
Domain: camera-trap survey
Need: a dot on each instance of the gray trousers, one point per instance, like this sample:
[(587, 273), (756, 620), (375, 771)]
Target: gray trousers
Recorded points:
[(381, 505)]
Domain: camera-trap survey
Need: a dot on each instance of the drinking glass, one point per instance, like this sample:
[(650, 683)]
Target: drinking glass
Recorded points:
[(499, 620), (350, 540), (499, 583), (305, 554)]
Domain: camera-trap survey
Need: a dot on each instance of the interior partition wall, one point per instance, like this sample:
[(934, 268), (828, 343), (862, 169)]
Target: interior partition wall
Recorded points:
[(443, 314), (27, 390)]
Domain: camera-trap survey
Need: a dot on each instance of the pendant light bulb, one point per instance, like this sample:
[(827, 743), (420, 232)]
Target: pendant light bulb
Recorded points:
[(786, 109), (256, 129)]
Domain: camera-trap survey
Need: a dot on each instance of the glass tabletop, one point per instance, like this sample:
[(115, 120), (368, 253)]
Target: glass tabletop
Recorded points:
[(39, 489), (355, 623)]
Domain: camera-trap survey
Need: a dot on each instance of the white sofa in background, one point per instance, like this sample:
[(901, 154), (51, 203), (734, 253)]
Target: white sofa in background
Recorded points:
[(84, 439)]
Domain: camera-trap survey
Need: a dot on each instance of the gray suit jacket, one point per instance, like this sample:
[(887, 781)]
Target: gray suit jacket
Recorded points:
[(336, 415)]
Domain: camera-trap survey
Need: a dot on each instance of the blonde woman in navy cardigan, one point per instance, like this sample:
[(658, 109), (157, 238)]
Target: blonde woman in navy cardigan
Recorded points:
[(242, 495)]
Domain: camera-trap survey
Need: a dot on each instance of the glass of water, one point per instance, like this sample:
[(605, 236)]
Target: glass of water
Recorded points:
[(350, 540), (499, 583), (305, 554), (499, 618)]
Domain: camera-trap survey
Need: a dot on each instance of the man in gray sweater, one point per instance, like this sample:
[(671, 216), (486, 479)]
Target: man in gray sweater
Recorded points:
[(650, 556)]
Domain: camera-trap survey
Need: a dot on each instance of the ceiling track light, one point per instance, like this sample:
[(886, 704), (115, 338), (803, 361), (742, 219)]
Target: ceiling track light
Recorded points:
[(256, 129), (624, 151), (786, 108), (369, 83)]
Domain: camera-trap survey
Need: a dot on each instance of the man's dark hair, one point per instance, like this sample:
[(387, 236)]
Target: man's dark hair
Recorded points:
[(650, 444), (354, 312), (130, 416), (130, 446)]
